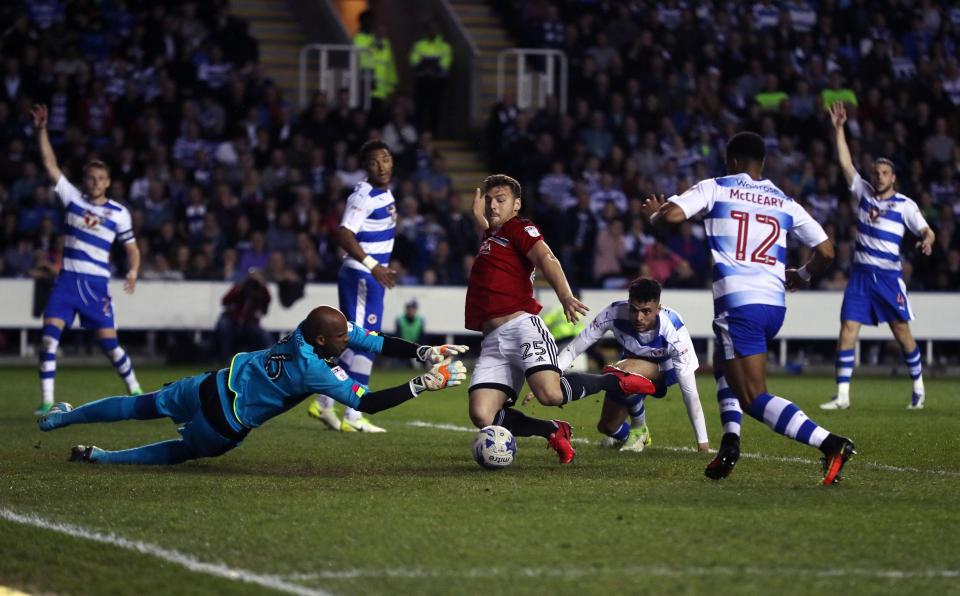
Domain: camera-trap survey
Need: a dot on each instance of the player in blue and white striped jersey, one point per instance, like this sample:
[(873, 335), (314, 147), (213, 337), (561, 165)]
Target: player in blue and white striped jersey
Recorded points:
[(93, 222), (366, 233), (875, 292), (654, 342), (747, 219)]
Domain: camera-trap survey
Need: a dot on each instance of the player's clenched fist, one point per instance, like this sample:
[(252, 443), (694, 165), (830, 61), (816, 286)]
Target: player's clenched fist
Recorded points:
[(443, 374), (431, 354)]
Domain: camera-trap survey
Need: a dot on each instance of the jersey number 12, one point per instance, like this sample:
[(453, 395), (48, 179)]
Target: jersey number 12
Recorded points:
[(760, 254)]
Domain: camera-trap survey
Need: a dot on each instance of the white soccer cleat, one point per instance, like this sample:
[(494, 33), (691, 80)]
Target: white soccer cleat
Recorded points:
[(362, 425), (836, 404), (916, 401), (325, 415), (637, 439)]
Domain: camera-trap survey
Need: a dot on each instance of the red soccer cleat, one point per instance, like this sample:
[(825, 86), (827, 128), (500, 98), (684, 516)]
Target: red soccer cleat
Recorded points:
[(834, 463), (560, 441), (631, 383)]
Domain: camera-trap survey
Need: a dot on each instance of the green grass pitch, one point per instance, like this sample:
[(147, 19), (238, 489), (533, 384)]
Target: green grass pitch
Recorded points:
[(313, 512)]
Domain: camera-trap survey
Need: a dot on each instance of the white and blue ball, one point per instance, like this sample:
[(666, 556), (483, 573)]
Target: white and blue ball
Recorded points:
[(494, 447)]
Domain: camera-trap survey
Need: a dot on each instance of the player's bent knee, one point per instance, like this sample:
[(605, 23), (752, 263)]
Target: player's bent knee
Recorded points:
[(481, 417), (606, 427), (549, 397)]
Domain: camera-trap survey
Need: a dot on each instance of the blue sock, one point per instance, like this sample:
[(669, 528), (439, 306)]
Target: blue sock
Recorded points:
[(785, 418), (844, 365), (914, 363), (637, 409), (170, 452), (48, 361), (622, 432), (731, 415), (121, 361), (111, 409)]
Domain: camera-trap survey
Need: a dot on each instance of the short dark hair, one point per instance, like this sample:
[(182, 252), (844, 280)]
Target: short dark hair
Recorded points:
[(747, 146), (96, 163), (369, 147), (644, 289), (501, 180), (886, 161)]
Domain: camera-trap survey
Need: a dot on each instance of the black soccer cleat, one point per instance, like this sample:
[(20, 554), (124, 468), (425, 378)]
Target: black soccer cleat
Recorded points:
[(722, 465), (82, 453), (833, 463)]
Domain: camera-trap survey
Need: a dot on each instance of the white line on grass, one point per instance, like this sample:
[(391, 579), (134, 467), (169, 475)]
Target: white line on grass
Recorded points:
[(187, 561), (565, 572), (760, 456)]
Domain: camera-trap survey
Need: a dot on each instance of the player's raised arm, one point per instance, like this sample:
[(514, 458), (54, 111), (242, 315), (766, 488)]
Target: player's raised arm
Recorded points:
[(39, 113), (347, 240), (838, 116), (477, 211), (543, 258)]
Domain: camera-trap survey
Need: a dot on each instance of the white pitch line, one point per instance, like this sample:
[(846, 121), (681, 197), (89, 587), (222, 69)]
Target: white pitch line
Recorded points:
[(566, 572), (760, 456), (171, 556)]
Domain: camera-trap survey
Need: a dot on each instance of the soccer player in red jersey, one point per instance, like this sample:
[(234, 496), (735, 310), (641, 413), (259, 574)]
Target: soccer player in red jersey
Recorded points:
[(516, 343)]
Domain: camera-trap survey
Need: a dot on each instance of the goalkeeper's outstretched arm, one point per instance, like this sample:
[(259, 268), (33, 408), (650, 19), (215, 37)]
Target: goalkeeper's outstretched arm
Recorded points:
[(442, 375), (395, 347)]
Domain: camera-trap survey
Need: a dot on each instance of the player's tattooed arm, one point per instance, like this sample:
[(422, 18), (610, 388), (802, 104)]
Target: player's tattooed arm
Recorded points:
[(838, 116), (478, 211), (543, 258), (39, 113)]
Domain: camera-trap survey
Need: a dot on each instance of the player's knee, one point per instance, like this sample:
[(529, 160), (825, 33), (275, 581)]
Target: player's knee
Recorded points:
[(549, 397), (606, 427), (481, 414)]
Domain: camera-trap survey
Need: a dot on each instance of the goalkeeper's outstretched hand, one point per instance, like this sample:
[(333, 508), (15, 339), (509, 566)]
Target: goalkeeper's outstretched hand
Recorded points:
[(443, 374), (431, 354)]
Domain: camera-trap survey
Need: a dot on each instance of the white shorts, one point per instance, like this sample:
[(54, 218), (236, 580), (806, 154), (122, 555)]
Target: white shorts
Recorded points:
[(512, 352)]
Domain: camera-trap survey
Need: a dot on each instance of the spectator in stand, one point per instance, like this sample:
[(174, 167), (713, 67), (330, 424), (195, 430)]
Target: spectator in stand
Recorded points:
[(430, 59), (238, 328)]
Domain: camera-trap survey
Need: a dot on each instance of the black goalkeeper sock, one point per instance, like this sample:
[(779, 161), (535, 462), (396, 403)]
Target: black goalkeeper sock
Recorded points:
[(522, 425), (579, 385)]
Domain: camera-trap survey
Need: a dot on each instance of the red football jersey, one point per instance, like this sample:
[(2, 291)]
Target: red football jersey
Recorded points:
[(501, 281)]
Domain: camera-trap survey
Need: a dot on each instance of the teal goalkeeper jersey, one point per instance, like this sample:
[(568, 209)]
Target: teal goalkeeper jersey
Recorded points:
[(269, 382)]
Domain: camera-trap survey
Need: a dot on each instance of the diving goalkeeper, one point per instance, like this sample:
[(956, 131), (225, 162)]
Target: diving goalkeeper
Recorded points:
[(218, 409)]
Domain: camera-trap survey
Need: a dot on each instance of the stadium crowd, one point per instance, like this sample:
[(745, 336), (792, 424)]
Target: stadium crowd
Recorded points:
[(656, 88), (222, 174)]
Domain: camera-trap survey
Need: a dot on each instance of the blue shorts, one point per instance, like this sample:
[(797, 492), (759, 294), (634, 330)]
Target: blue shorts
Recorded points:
[(361, 298), (745, 330), (180, 401), (86, 295), (875, 296)]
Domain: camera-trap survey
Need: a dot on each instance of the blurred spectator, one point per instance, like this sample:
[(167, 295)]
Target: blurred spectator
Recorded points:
[(238, 328), (430, 60)]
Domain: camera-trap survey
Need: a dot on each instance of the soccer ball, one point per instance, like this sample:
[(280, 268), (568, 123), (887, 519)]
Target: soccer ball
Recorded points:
[(494, 447)]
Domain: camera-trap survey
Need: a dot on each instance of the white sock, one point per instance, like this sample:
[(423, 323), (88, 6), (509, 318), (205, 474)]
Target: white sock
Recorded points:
[(918, 385), (843, 392), (324, 401), (351, 415)]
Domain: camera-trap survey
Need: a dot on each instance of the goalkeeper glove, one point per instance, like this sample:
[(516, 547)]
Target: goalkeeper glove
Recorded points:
[(431, 354), (443, 374)]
